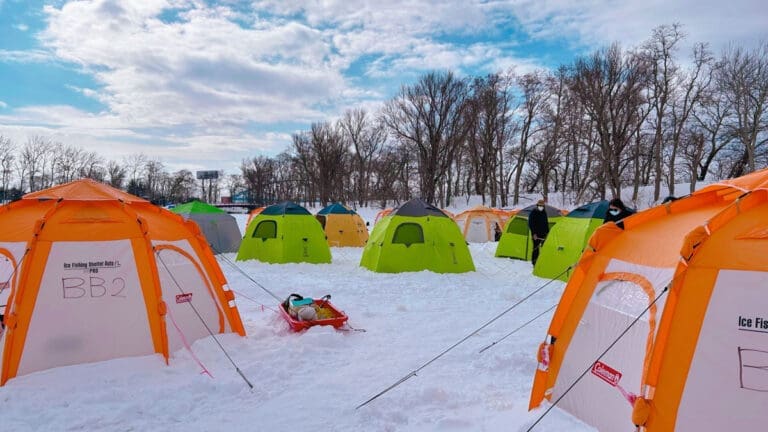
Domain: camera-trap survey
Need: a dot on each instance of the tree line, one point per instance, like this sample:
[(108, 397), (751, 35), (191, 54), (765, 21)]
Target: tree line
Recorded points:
[(40, 162), (610, 120), (613, 119)]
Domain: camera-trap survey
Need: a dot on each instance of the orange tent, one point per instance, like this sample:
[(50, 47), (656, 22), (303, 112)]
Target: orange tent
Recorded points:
[(504, 214), (253, 214), (707, 369), (98, 274), (478, 224), (382, 213), (619, 276), (388, 210)]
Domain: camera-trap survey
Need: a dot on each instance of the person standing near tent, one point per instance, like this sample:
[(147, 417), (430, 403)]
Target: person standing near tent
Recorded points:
[(496, 231), (617, 211), (538, 223)]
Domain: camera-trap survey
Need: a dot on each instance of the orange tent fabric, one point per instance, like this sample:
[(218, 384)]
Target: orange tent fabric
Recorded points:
[(382, 213), (620, 274), (478, 224), (98, 274), (707, 369), (253, 214), (504, 214)]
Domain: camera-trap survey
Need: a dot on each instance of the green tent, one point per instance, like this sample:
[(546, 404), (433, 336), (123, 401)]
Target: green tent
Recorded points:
[(417, 236), (283, 233), (219, 228), (567, 239), (516, 241)]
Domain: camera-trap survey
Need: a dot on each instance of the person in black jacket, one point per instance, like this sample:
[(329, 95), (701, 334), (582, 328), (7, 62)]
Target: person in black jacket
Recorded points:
[(538, 223), (617, 211)]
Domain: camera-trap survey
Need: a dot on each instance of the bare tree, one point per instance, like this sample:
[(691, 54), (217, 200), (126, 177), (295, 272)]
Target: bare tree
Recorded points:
[(32, 161), (743, 76), (429, 117), (154, 170), (91, 165), (115, 174), (534, 96), (7, 157), (322, 154), (547, 152), (609, 84), (711, 117), (690, 90), (135, 166), (489, 127), (659, 51), (366, 137), (183, 186)]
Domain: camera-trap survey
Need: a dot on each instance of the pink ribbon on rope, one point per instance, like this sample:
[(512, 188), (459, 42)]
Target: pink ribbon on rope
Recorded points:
[(186, 344)]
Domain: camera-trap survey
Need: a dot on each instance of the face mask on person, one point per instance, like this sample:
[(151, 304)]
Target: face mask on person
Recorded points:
[(540, 208), (614, 212)]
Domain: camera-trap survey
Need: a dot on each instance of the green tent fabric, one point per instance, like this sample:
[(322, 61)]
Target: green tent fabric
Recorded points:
[(219, 228), (567, 239), (284, 233), (516, 241), (196, 207), (417, 236)]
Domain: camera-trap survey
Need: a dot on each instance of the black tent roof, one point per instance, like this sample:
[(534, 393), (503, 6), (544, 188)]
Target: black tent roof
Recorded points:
[(418, 207), (551, 211)]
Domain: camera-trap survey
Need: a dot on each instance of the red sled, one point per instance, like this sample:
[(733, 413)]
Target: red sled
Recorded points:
[(327, 313)]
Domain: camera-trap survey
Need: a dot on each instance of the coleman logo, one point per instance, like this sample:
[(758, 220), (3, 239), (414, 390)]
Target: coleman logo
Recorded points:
[(606, 373), (184, 298)]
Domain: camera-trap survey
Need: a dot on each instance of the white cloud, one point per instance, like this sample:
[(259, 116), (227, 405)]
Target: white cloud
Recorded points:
[(21, 27), (3, 104), (199, 79), (204, 69), (28, 56), (630, 22), (186, 146)]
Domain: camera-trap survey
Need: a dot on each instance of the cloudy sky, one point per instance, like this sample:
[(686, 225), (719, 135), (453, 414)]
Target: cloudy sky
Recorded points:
[(204, 84)]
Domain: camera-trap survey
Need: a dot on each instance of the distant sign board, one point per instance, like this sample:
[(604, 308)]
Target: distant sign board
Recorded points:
[(205, 175)]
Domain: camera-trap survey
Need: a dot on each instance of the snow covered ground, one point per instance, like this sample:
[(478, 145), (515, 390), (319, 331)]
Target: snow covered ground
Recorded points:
[(313, 381)]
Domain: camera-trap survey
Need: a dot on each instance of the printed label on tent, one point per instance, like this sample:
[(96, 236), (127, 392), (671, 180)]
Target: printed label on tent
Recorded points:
[(92, 266), (606, 373), (756, 324), (184, 298)]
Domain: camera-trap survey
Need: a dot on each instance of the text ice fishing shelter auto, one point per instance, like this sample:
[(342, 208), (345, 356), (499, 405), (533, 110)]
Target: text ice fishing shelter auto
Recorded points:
[(98, 274)]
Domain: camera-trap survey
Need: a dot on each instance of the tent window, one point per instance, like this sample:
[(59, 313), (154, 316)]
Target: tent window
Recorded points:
[(408, 233), (265, 229), (518, 226)]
